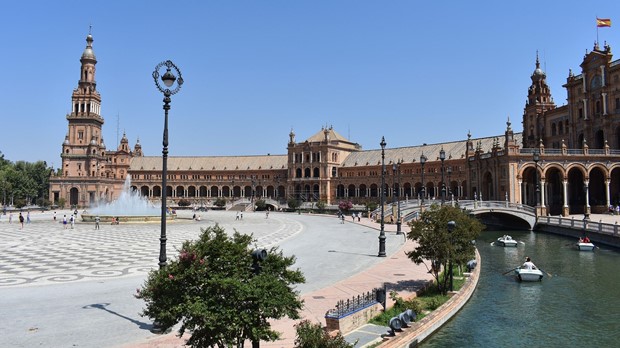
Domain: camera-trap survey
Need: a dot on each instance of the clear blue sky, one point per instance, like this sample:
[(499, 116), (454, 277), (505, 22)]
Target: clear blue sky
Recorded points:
[(412, 71)]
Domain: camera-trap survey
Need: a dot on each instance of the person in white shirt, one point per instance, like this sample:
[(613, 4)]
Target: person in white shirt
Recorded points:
[(528, 264)]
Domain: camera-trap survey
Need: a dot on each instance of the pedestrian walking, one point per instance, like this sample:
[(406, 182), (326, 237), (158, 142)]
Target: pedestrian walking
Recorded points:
[(97, 219), (28, 217), (10, 218), (241, 215), (72, 218), (237, 217), (342, 219), (64, 221), (267, 214), (21, 221), (54, 216)]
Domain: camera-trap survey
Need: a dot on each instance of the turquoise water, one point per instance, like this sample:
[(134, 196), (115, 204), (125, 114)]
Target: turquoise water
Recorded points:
[(578, 306)]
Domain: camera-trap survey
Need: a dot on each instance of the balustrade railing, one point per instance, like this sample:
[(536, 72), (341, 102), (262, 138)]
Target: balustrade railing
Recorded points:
[(584, 225), (354, 304)]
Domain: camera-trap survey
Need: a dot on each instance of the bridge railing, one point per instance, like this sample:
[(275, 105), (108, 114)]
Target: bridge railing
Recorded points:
[(584, 225)]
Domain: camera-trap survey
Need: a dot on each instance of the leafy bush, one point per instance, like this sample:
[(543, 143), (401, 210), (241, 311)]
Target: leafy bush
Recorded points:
[(320, 206), (184, 203), (312, 335), (220, 202), (260, 204), (293, 203), (345, 205)]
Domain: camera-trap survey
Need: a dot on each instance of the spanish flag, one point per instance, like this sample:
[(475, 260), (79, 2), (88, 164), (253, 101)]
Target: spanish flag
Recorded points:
[(603, 22)]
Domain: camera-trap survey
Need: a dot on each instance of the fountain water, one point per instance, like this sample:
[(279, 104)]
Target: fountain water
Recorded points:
[(130, 206)]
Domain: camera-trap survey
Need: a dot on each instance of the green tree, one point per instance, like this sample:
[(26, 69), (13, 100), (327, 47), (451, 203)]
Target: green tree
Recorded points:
[(220, 202), (320, 206), (293, 203), (371, 206), (220, 294), (437, 244), (312, 335), (260, 204)]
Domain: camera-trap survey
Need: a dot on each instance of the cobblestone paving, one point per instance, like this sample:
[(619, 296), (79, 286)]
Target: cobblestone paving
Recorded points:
[(44, 252)]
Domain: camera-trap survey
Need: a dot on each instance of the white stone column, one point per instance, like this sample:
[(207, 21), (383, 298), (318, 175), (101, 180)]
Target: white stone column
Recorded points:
[(587, 194), (585, 108), (604, 103), (543, 188), (565, 192), (607, 192)]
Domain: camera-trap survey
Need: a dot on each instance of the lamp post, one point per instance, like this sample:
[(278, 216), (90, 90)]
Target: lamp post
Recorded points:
[(382, 231), (449, 170), (398, 222), (422, 162), (168, 79), (536, 158), (253, 193), (442, 157), (451, 226)]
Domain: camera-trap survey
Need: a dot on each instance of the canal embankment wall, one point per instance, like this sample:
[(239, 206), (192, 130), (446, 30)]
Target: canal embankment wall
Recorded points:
[(419, 331)]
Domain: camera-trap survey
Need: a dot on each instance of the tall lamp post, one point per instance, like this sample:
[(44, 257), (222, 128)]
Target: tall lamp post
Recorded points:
[(168, 79), (398, 223), (451, 226), (449, 170), (536, 158), (422, 162), (442, 157), (382, 231)]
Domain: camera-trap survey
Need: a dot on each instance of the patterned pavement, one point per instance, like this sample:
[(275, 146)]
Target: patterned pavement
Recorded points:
[(44, 252)]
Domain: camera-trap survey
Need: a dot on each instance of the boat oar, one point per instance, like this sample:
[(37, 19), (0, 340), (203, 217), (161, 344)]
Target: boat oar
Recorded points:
[(549, 274), (508, 271)]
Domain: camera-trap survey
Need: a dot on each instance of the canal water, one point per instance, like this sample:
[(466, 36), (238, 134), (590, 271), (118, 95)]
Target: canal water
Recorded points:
[(577, 306)]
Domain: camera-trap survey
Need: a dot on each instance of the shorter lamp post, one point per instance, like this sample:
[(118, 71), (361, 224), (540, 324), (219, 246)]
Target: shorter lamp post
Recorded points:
[(382, 231), (451, 226), (442, 157), (398, 222), (422, 162), (536, 158)]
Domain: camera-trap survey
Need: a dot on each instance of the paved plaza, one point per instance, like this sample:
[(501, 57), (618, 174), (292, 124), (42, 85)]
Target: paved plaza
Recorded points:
[(74, 287)]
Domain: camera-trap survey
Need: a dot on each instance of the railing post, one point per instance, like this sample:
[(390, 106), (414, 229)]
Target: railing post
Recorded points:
[(572, 221), (616, 228)]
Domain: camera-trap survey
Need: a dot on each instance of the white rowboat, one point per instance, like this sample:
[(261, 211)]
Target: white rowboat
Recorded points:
[(506, 241), (585, 246), (529, 275)]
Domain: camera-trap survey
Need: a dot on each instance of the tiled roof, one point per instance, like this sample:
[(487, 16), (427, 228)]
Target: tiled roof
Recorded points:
[(333, 135), (211, 163), (409, 154)]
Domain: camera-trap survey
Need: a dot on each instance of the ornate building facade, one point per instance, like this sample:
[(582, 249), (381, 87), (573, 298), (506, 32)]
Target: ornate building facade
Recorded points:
[(552, 157)]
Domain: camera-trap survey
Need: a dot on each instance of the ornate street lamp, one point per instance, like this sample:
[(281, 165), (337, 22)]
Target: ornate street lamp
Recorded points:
[(398, 223), (382, 231), (168, 79), (422, 162), (451, 226), (536, 158), (449, 170), (442, 157)]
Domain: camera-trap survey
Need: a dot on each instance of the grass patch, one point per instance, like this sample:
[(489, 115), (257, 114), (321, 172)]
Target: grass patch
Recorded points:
[(427, 300)]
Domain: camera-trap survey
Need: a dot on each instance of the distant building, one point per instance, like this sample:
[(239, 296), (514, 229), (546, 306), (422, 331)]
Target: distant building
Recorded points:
[(577, 147)]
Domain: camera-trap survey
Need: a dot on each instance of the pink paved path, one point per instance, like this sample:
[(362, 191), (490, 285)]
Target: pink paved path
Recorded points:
[(393, 269)]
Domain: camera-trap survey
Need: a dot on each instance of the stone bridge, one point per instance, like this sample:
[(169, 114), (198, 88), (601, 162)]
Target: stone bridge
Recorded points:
[(495, 213)]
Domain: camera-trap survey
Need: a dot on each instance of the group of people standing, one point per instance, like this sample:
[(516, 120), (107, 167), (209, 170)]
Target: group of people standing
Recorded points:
[(20, 218)]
